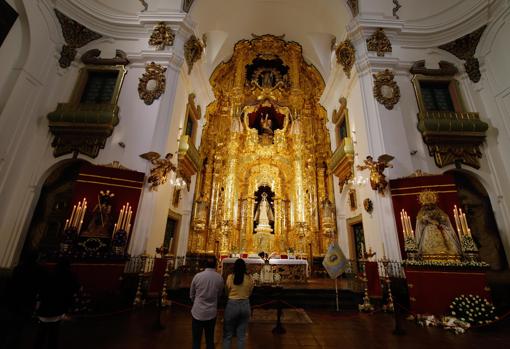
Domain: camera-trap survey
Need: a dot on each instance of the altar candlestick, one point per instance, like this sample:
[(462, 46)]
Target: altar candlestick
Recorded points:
[(76, 215), (469, 232), (129, 218), (128, 228), (79, 226)]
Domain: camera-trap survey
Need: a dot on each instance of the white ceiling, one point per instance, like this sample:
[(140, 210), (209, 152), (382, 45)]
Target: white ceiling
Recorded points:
[(313, 24)]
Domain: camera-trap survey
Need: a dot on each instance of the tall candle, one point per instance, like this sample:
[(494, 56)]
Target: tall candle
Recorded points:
[(67, 224), (72, 215), (464, 223), (403, 223), (121, 215)]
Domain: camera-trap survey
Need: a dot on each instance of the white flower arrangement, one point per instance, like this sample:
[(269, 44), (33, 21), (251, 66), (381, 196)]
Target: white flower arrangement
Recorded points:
[(473, 309)]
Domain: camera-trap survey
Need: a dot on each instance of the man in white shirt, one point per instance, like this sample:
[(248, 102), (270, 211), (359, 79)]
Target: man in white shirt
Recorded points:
[(205, 290)]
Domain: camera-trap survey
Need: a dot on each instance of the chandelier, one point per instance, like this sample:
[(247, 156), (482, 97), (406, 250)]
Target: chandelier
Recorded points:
[(177, 181), (357, 181)]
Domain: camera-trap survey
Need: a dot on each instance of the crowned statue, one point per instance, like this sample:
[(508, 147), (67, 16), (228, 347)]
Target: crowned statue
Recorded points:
[(263, 217), (435, 236)]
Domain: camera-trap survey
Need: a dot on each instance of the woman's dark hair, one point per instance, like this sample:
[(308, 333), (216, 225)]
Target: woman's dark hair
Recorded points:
[(239, 271)]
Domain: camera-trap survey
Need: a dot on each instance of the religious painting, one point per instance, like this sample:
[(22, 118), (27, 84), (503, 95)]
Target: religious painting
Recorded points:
[(352, 199), (7, 18), (266, 120), (193, 114)]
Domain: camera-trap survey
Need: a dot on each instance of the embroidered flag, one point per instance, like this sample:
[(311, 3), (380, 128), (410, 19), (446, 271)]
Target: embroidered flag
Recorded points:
[(334, 261)]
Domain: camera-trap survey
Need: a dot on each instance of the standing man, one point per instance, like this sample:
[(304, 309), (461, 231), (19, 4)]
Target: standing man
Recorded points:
[(205, 290)]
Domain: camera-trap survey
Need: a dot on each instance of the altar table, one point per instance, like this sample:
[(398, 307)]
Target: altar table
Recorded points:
[(290, 270)]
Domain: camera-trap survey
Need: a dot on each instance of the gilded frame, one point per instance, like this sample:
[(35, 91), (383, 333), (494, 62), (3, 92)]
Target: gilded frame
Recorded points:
[(83, 78)]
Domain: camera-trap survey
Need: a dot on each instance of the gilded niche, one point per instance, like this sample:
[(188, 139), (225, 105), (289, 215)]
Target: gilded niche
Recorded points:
[(263, 155)]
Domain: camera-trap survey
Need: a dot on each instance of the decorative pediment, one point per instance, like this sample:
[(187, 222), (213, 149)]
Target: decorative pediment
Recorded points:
[(188, 159)]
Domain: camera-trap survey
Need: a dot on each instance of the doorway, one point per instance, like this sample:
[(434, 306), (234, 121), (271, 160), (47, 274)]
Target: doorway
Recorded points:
[(356, 240)]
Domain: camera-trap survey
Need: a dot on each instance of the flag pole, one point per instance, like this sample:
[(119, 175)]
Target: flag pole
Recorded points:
[(336, 292)]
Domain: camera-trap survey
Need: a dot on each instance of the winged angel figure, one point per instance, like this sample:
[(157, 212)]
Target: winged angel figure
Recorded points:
[(161, 170), (377, 177)]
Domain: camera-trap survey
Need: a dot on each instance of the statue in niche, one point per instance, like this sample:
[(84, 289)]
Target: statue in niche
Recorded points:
[(264, 214), (266, 123), (101, 222), (435, 236), (263, 217), (267, 79)]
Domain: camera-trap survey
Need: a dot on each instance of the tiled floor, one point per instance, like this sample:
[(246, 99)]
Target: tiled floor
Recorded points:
[(134, 329)]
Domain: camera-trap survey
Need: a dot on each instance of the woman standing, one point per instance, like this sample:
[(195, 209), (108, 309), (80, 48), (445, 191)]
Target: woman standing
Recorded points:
[(238, 287)]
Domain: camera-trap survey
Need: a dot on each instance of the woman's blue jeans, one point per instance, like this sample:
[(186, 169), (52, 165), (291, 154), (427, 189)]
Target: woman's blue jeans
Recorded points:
[(237, 315)]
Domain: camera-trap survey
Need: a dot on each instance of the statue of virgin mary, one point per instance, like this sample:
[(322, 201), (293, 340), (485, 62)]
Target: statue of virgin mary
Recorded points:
[(435, 236)]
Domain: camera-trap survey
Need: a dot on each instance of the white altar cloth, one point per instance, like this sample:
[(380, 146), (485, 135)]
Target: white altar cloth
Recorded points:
[(272, 261)]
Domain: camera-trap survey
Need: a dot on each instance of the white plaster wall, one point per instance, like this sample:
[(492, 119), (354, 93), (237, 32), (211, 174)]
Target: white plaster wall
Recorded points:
[(12, 54)]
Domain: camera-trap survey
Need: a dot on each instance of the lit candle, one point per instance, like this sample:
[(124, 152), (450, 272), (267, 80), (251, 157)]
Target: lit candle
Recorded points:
[(79, 227), (121, 215), (72, 215), (128, 228), (464, 223), (457, 221), (403, 223), (67, 224), (74, 223)]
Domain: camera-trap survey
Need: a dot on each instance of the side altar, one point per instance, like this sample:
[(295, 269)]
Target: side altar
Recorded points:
[(441, 259), (288, 270)]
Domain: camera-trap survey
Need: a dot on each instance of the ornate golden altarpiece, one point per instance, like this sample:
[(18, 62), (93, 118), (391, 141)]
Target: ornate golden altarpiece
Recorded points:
[(265, 133)]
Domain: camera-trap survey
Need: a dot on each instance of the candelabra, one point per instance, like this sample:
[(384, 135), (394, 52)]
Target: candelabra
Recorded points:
[(389, 306), (466, 239), (138, 295), (165, 302), (409, 239), (366, 306), (73, 225), (121, 229)]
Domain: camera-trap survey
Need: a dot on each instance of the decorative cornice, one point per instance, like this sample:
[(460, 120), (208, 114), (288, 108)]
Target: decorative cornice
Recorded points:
[(445, 69), (464, 48), (452, 24), (75, 36), (93, 57)]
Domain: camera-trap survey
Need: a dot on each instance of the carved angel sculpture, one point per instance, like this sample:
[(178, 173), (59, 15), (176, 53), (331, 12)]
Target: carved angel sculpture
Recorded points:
[(161, 170), (377, 177)]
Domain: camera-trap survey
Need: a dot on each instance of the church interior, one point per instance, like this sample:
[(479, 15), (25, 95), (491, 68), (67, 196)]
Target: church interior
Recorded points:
[(350, 151)]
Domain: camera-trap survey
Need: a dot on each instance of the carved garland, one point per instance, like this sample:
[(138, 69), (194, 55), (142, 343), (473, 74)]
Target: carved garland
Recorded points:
[(193, 49), (464, 48), (75, 36), (345, 56), (152, 83), (162, 36), (386, 90), (379, 42)]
